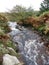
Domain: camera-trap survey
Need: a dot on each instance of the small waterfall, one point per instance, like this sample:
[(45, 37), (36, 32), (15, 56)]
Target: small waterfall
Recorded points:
[(32, 50), (12, 25)]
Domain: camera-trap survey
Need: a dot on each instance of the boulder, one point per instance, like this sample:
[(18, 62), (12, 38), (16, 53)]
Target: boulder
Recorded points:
[(10, 60)]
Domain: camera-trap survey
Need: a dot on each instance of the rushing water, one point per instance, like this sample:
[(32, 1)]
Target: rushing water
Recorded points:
[(32, 50)]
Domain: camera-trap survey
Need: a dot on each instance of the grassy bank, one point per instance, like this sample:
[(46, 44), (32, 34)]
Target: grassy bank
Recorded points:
[(6, 44)]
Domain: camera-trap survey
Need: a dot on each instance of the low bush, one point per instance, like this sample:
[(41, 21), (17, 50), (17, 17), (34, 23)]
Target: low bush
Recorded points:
[(40, 23), (4, 24)]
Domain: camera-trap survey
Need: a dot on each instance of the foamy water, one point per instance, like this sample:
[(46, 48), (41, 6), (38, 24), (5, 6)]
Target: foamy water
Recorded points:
[(36, 52), (33, 52)]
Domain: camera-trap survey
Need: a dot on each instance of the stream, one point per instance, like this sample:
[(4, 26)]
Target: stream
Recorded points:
[(32, 50)]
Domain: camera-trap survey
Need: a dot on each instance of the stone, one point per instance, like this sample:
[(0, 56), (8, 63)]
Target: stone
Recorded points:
[(10, 60)]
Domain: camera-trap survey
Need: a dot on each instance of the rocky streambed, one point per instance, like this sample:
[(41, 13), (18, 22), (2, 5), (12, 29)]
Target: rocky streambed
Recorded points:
[(30, 46)]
